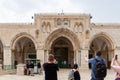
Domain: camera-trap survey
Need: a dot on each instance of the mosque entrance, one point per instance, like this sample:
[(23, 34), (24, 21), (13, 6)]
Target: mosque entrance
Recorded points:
[(61, 55), (63, 52)]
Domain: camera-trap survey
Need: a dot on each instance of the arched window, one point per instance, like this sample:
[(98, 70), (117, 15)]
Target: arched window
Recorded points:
[(44, 27), (48, 27)]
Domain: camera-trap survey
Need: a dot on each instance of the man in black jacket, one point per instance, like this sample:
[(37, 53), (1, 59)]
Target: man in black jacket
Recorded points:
[(50, 68)]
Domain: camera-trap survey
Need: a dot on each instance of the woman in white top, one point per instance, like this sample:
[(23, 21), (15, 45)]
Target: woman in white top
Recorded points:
[(115, 65)]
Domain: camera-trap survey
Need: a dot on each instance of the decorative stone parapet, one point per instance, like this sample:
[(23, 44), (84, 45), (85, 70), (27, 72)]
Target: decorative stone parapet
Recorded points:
[(20, 69)]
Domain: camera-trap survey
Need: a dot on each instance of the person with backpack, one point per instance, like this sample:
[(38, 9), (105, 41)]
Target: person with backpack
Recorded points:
[(98, 66), (116, 67), (74, 73)]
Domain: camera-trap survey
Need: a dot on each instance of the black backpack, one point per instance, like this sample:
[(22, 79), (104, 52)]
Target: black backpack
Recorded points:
[(100, 70)]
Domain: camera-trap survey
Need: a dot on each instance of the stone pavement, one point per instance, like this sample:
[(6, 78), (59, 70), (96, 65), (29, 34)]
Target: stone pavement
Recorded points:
[(62, 75)]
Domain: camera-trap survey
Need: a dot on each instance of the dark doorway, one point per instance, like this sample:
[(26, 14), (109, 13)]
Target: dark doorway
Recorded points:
[(61, 55), (63, 51), (32, 56)]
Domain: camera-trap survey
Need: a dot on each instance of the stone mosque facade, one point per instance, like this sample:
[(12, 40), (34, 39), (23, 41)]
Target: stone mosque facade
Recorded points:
[(69, 37)]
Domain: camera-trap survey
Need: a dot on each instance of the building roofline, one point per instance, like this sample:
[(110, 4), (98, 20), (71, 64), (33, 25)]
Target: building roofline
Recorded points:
[(62, 15)]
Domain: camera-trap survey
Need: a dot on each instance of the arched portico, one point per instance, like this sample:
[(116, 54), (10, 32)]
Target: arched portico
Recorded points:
[(23, 47), (102, 42), (63, 42)]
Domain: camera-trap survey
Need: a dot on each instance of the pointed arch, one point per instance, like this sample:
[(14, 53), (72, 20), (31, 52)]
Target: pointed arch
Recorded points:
[(20, 35), (48, 26), (62, 32), (23, 46), (106, 36), (104, 43)]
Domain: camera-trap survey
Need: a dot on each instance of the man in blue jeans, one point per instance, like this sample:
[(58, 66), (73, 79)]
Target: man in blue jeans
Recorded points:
[(93, 62)]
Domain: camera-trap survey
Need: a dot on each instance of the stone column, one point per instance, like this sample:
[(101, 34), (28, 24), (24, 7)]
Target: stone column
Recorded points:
[(78, 57), (46, 55), (75, 57), (7, 58), (84, 64), (40, 55), (110, 55), (13, 57)]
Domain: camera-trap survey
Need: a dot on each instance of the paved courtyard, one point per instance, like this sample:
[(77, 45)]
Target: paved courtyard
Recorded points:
[(62, 75)]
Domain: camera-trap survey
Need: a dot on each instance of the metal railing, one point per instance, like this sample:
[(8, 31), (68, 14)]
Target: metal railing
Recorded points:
[(9, 67)]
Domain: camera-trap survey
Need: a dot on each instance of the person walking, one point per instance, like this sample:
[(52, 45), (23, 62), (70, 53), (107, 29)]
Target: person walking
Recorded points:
[(50, 68), (94, 61), (116, 67), (39, 67)]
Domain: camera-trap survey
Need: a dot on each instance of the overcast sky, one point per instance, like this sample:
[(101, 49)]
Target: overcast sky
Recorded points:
[(20, 11)]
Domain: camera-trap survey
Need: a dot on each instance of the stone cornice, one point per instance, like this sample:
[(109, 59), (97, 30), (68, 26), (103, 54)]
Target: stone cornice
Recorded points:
[(105, 25), (13, 25), (62, 15)]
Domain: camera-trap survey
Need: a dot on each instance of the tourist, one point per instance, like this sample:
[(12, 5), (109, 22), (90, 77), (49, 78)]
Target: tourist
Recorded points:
[(74, 73), (28, 67), (116, 67), (93, 62), (39, 67), (50, 68), (31, 68)]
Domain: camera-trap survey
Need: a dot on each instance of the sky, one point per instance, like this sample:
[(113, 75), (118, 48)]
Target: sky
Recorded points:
[(21, 11)]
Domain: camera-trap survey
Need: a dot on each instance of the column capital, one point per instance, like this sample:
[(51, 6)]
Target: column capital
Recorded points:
[(6, 47)]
